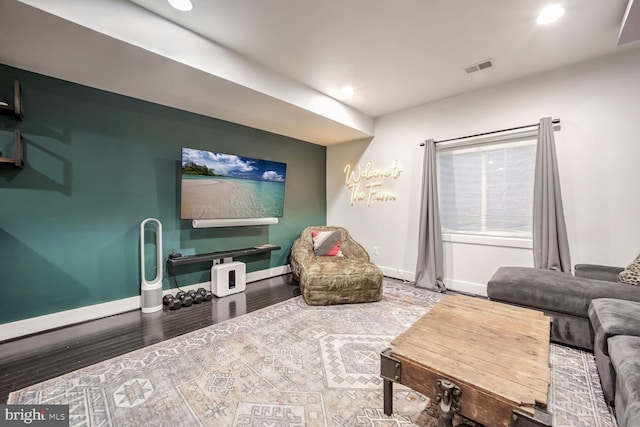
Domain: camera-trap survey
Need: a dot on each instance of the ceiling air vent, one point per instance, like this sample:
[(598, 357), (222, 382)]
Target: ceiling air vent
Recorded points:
[(479, 66)]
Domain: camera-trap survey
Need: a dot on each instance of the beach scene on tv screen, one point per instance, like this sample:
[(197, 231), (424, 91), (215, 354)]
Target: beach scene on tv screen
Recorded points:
[(224, 186)]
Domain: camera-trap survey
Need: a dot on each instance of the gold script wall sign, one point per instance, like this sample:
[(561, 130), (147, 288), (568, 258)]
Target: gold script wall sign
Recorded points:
[(359, 181)]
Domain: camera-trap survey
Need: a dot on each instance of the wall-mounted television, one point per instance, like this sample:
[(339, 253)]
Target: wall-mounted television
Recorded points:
[(226, 186)]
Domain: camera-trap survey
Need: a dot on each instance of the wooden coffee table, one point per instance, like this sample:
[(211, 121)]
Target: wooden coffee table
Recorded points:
[(486, 361)]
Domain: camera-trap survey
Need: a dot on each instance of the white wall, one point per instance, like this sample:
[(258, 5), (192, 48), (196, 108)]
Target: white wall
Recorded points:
[(598, 150)]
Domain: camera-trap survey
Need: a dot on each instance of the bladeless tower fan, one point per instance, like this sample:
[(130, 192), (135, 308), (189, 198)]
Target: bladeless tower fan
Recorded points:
[(151, 291)]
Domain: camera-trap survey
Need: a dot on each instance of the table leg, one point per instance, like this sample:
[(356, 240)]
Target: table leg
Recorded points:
[(390, 371), (388, 397)]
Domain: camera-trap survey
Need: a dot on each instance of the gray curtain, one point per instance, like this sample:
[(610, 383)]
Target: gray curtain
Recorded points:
[(429, 267), (550, 242)]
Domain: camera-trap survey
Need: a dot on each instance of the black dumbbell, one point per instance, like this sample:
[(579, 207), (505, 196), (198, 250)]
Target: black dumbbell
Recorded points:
[(196, 297), (186, 300), (180, 294), (206, 295), (172, 302)]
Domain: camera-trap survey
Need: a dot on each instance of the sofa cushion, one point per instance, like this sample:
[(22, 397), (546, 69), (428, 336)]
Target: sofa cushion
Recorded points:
[(610, 317), (340, 267), (624, 350), (597, 272), (340, 280), (630, 416), (553, 290), (631, 274)]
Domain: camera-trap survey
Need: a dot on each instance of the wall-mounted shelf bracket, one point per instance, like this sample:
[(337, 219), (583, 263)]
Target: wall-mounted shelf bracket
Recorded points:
[(18, 159), (16, 109)]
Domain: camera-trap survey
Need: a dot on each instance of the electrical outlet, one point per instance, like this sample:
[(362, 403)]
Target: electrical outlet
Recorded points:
[(375, 250)]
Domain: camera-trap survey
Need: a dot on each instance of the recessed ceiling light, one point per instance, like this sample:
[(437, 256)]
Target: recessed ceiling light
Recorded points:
[(183, 5), (347, 92), (550, 14)]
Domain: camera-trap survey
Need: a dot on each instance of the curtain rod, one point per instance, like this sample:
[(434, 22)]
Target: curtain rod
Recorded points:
[(554, 121)]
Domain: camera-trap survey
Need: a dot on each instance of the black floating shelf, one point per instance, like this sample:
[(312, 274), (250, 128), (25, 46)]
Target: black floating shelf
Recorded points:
[(16, 109), (192, 259), (19, 152)]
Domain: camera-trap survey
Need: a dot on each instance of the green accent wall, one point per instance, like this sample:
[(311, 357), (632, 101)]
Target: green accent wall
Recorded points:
[(97, 164)]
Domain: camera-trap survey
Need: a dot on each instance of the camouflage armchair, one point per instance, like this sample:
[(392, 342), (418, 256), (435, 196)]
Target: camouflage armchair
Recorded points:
[(326, 280)]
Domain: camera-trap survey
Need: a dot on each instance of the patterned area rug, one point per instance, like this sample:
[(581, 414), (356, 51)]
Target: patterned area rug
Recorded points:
[(288, 365)]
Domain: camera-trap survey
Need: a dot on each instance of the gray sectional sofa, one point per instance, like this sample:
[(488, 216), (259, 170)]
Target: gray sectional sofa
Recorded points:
[(592, 311), (562, 296)]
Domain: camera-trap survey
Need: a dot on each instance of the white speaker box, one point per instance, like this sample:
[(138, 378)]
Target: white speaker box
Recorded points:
[(228, 278)]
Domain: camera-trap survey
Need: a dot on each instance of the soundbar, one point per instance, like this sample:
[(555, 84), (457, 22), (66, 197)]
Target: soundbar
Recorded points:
[(236, 222)]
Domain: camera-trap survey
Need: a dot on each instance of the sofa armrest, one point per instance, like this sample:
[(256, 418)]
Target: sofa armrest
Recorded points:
[(354, 250), (598, 272), (301, 255)]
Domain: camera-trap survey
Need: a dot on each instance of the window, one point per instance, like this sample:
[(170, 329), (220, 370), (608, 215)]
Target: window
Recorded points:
[(487, 189)]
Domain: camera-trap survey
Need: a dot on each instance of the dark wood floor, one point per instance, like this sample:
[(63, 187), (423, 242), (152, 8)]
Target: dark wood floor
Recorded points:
[(37, 358)]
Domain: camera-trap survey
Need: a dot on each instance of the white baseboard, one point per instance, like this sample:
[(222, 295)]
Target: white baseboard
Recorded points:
[(83, 314), (454, 285), (254, 276), (466, 287), (68, 317), (396, 273)]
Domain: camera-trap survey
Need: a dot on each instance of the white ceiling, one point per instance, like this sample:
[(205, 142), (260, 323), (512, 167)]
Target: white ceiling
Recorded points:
[(402, 53), (276, 64)]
